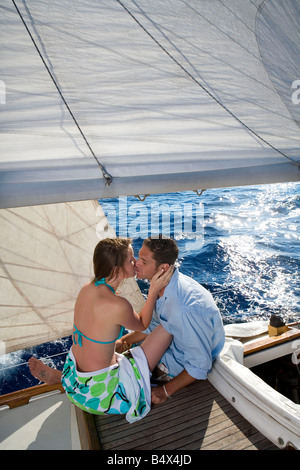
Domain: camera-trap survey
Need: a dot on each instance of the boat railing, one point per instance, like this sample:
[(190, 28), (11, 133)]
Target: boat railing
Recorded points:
[(22, 397)]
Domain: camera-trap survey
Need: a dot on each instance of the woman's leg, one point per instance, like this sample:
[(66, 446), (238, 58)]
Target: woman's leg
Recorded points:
[(43, 372), (155, 345)]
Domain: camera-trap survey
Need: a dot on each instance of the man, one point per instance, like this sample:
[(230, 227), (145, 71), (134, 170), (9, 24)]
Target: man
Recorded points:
[(188, 312)]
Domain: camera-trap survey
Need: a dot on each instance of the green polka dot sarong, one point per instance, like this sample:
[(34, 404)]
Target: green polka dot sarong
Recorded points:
[(123, 388)]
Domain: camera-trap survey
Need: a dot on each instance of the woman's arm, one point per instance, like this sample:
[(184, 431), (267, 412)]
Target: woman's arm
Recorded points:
[(128, 340), (139, 322)]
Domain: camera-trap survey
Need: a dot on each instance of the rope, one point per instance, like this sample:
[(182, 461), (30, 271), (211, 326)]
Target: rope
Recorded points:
[(45, 358), (105, 174), (203, 87)]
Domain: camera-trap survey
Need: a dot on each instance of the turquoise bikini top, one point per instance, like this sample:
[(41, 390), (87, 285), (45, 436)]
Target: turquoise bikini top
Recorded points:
[(80, 335), (103, 283)]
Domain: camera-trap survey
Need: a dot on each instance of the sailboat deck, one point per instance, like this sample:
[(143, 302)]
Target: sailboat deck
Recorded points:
[(197, 417)]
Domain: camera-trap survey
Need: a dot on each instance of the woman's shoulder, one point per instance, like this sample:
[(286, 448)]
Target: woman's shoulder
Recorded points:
[(122, 303), (112, 301), (86, 287)]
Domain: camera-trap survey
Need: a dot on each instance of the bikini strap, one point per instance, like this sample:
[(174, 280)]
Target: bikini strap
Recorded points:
[(103, 283), (79, 336)]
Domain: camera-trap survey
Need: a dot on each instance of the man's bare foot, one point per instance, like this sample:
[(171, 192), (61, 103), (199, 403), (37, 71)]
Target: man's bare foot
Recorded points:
[(43, 372)]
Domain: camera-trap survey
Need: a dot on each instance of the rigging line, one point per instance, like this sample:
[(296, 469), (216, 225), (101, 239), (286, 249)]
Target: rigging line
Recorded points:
[(45, 358), (105, 174), (203, 87)]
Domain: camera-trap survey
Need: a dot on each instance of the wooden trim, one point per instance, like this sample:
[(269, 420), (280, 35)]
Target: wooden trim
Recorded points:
[(270, 341), (22, 397), (87, 430)]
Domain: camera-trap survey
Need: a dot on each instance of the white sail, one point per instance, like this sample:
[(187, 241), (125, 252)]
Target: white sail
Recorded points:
[(110, 98), (46, 257), (166, 96)]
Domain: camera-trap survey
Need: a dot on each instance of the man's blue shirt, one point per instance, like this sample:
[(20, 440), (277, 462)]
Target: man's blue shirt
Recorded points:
[(188, 312)]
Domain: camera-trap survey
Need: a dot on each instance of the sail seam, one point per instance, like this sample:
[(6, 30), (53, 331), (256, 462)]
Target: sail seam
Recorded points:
[(205, 89), (105, 174)]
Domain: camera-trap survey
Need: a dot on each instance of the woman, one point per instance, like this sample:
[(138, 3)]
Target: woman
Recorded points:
[(95, 377)]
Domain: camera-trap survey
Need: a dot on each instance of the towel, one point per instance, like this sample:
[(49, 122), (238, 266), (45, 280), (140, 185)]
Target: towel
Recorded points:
[(136, 382)]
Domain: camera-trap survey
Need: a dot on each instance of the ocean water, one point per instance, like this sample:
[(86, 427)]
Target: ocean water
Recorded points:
[(242, 244)]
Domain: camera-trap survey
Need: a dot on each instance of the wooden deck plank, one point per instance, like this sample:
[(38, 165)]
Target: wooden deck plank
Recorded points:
[(163, 425), (177, 403), (176, 430), (213, 436), (197, 417), (165, 414), (172, 416)]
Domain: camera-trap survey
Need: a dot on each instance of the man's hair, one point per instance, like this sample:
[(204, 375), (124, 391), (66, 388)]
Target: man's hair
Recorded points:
[(164, 249)]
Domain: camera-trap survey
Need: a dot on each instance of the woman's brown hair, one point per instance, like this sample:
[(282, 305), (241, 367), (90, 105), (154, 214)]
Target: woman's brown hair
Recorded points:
[(109, 257)]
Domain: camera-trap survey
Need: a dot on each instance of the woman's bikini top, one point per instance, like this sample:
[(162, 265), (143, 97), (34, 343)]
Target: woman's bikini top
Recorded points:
[(80, 335)]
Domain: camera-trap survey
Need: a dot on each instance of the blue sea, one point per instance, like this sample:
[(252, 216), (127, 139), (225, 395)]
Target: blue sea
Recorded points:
[(242, 244)]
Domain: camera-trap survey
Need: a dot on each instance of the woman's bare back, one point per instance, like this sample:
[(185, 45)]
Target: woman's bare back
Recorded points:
[(95, 315)]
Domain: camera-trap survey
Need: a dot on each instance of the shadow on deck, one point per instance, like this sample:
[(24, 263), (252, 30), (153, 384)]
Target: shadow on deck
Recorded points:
[(197, 417)]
